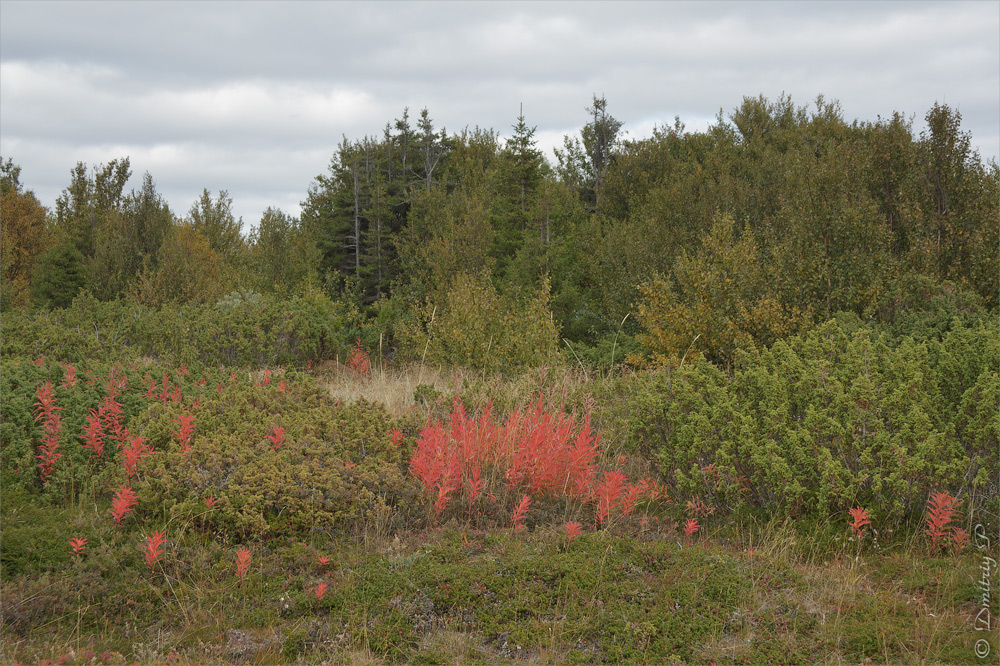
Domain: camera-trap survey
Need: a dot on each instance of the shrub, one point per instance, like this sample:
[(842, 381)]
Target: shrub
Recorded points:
[(827, 420), (477, 327), (249, 332), (337, 463), (495, 471)]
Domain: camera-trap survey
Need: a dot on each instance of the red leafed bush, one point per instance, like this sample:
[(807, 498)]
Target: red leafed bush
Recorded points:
[(133, 452), (861, 518), (153, 549), (185, 431), (47, 411), (941, 509), (93, 435), (535, 453), (69, 379), (359, 361), (607, 494), (277, 437), (243, 559), (572, 531), (123, 503), (520, 512)]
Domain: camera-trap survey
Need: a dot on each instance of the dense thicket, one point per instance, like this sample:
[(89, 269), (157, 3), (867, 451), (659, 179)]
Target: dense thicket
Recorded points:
[(713, 259), (772, 220)]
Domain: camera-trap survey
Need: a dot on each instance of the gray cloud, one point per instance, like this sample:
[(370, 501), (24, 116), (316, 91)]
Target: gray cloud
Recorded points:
[(253, 97)]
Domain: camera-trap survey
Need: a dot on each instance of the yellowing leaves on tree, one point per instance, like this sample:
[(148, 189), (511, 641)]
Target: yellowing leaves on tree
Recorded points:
[(719, 300)]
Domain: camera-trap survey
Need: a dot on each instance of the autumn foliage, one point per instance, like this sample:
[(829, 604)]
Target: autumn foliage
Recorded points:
[(535, 453), (47, 412)]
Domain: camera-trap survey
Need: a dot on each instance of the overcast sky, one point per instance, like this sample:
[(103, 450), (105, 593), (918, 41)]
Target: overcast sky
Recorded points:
[(253, 97)]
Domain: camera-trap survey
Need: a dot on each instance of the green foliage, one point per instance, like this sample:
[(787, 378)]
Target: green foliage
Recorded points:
[(281, 254), (58, 275), (477, 327), (128, 241), (828, 420), (244, 331), (722, 300), (187, 270), (23, 235), (213, 219), (337, 464)]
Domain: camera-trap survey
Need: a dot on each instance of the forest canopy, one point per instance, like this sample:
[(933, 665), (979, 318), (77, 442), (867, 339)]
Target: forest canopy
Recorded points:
[(475, 249)]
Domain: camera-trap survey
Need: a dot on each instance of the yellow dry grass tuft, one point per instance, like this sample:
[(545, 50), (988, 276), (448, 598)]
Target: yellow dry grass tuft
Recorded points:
[(392, 386)]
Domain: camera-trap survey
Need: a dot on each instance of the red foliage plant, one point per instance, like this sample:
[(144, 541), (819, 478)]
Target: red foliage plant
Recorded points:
[(359, 361), (277, 437), (519, 513), (109, 415), (123, 503), (243, 559), (69, 379), (153, 549), (134, 452), (320, 591), (960, 539), (211, 501), (47, 411), (535, 453), (78, 545), (184, 433), (608, 493), (93, 435), (941, 509), (168, 392), (572, 532), (632, 494), (691, 527), (861, 518)]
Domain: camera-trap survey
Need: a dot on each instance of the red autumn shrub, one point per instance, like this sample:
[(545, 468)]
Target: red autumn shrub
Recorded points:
[(534, 454), (359, 361), (941, 509)]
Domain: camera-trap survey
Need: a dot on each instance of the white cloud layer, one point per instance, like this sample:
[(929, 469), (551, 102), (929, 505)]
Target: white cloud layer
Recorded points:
[(254, 97)]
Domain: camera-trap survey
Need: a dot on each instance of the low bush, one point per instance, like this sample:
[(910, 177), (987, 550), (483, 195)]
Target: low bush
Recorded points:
[(239, 330), (335, 464), (829, 420), (475, 326)]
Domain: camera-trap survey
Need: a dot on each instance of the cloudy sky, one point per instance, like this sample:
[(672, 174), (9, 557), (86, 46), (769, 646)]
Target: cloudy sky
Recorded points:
[(253, 97)]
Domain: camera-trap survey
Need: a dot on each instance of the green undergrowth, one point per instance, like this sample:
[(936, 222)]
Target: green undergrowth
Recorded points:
[(453, 594)]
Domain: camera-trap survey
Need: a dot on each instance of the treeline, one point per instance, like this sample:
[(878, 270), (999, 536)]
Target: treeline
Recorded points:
[(471, 248)]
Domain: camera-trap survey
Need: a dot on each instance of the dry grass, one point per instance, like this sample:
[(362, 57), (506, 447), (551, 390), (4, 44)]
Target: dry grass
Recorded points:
[(392, 386)]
